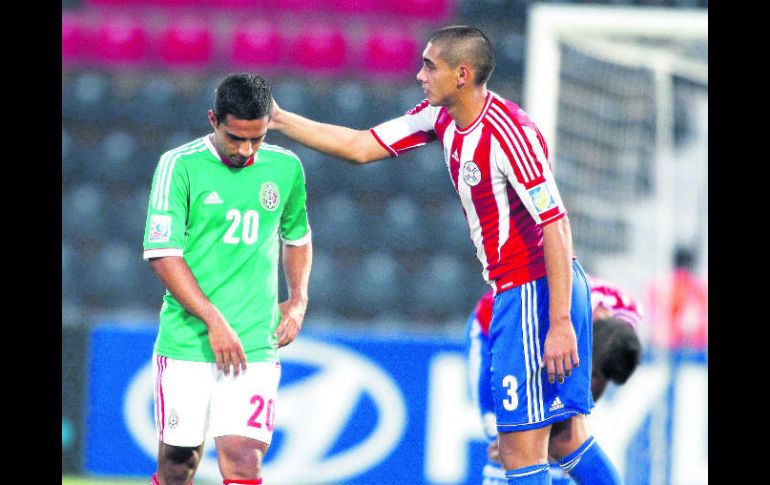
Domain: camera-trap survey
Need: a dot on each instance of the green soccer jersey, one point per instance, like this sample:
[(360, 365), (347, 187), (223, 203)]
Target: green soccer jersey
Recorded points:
[(227, 223)]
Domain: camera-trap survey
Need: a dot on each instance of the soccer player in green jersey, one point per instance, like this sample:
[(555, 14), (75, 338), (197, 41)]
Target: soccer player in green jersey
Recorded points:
[(221, 209)]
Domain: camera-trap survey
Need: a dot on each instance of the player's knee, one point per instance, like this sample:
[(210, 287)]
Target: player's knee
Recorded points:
[(567, 436), (178, 463), (241, 461), (521, 449)]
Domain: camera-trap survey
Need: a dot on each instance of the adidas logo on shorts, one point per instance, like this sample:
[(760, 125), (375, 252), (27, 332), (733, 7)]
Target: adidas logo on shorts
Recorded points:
[(556, 404)]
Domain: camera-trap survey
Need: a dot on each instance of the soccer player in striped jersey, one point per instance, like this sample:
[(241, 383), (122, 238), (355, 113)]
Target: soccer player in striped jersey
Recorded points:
[(616, 353), (540, 334), (221, 209)]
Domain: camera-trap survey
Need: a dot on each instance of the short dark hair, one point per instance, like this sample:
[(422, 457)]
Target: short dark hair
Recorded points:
[(462, 43), (616, 349), (245, 96)]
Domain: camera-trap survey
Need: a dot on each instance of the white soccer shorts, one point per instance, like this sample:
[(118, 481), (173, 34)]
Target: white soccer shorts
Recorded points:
[(194, 400)]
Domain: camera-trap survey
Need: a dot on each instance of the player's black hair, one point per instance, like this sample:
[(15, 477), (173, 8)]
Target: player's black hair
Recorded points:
[(467, 44), (245, 96), (616, 349)]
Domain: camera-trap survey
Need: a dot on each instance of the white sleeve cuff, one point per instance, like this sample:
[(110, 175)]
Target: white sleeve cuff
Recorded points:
[(299, 242), (161, 252)]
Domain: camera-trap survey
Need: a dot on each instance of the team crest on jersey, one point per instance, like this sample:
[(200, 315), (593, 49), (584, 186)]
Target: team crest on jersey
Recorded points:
[(269, 196), (542, 199), (471, 173), (160, 228)]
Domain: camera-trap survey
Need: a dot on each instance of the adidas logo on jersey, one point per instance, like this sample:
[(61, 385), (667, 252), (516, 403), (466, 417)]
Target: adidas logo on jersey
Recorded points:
[(455, 157), (213, 198), (556, 404)]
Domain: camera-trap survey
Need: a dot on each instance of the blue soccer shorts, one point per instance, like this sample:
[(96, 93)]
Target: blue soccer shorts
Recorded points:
[(523, 397)]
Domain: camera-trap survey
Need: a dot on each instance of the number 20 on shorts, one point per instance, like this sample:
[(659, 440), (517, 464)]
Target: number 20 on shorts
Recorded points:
[(255, 419)]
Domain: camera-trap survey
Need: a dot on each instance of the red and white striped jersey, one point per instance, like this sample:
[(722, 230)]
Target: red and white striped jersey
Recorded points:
[(616, 300), (605, 294), (499, 167)]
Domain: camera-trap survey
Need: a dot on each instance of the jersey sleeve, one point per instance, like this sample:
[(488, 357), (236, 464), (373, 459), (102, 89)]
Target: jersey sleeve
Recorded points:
[(414, 129), (167, 211), (521, 157), (295, 228)]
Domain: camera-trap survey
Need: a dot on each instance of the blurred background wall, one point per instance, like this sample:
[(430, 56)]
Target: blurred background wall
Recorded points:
[(623, 105)]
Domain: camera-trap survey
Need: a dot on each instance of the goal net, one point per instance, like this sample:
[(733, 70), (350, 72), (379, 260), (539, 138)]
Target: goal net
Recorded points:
[(621, 95)]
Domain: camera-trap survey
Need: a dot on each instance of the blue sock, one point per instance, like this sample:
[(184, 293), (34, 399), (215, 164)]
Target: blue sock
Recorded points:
[(530, 475), (590, 465)]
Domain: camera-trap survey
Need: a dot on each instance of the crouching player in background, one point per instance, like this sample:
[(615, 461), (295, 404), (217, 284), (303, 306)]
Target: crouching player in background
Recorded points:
[(616, 353)]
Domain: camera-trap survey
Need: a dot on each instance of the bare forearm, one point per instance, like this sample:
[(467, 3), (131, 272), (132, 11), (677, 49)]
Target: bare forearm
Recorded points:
[(297, 261), (358, 146), (557, 240), (175, 274)]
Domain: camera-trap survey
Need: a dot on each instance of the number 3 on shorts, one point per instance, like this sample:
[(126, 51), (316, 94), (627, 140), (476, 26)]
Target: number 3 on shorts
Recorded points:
[(509, 381)]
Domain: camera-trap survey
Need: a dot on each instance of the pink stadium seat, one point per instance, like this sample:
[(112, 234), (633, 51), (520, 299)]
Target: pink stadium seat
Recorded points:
[(186, 42), (114, 3), (120, 40), (72, 43), (356, 7), (175, 3), (392, 53), (321, 49), (257, 44), (432, 10), (228, 4), (292, 7)]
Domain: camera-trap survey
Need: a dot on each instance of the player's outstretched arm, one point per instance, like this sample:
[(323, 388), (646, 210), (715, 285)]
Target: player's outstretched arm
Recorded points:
[(357, 146), (174, 272), (296, 268)]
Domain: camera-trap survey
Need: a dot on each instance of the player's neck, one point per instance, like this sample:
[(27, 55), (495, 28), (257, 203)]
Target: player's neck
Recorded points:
[(468, 107)]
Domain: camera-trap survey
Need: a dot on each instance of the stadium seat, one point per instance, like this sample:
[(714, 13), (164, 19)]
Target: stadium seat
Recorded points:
[(72, 41), (86, 97), (335, 222), (403, 225), (126, 208), (117, 158), (228, 5), (186, 42), (356, 7), (510, 48), (349, 105), (113, 3), (83, 211), (298, 7), (391, 53), (258, 46), (435, 11), (70, 165), (292, 95), (120, 41), (157, 103), (376, 283), (320, 50), (438, 291)]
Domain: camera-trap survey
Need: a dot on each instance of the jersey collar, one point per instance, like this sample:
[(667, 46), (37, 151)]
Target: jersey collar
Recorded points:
[(213, 150)]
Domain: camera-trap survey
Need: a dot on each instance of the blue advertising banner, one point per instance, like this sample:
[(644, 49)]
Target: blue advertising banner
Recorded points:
[(358, 408)]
